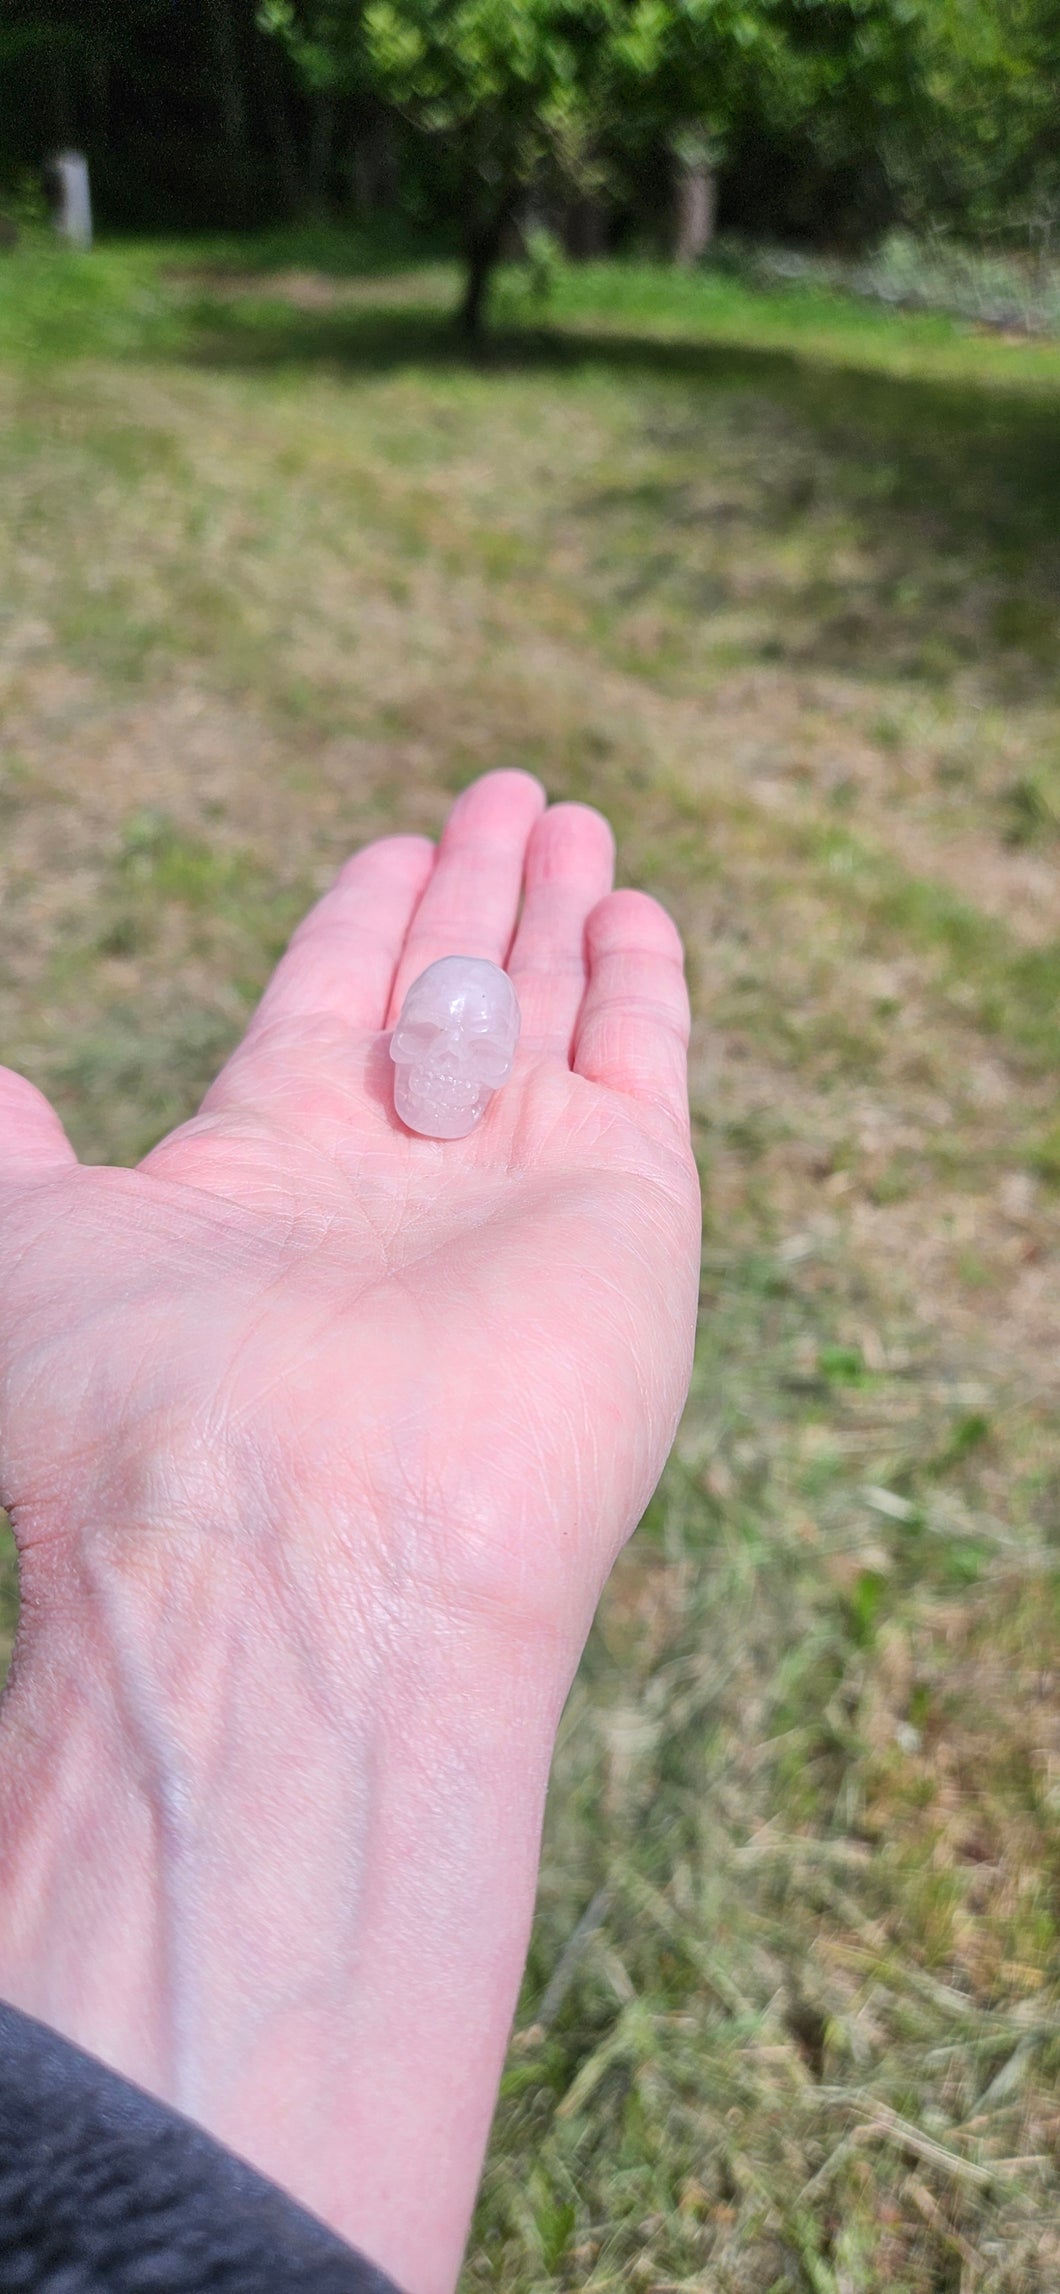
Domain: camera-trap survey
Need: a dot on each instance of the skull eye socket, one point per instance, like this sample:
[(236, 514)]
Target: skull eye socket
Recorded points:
[(487, 1060), (415, 1039)]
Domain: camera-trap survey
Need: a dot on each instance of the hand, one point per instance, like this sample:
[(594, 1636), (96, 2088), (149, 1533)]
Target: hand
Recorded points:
[(319, 1440)]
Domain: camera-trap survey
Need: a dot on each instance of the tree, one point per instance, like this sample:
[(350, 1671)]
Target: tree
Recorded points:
[(500, 82), (518, 88)]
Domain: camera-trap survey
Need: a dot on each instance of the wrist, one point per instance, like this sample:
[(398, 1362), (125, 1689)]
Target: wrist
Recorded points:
[(306, 1847)]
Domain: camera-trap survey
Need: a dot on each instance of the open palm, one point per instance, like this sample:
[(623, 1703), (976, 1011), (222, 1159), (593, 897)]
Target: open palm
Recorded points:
[(298, 1313)]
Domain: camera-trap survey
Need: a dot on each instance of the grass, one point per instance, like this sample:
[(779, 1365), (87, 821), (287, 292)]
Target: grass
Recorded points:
[(773, 578)]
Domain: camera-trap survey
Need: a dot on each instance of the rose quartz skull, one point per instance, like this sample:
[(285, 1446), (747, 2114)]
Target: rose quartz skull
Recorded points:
[(453, 1045)]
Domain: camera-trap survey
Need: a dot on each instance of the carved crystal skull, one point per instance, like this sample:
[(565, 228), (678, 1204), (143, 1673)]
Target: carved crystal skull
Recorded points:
[(454, 1045)]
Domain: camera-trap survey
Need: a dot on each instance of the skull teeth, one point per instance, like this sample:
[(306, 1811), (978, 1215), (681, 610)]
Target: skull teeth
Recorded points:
[(445, 1091)]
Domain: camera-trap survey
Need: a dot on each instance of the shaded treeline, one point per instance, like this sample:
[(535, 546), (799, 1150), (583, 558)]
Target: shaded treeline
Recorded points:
[(193, 117), (190, 115), (824, 119)]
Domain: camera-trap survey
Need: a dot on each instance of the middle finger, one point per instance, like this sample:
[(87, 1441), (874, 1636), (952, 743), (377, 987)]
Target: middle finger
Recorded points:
[(471, 899)]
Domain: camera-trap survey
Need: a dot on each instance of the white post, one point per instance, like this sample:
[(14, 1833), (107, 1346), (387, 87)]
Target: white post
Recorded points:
[(697, 199), (73, 219)]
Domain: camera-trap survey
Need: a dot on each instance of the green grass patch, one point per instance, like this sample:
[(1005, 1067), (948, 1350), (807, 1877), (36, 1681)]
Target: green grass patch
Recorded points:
[(57, 303)]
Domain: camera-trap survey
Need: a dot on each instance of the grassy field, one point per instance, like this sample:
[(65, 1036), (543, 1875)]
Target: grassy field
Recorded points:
[(774, 580)]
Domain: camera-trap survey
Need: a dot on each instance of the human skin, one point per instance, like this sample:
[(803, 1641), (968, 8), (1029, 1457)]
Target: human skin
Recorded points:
[(319, 1440)]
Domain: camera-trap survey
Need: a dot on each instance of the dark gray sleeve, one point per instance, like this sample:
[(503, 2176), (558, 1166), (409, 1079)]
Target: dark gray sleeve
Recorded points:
[(105, 2191)]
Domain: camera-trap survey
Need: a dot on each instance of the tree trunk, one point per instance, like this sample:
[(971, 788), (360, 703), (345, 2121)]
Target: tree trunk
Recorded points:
[(272, 85), (320, 149), (231, 106), (97, 72), (697, 206), (374, 170), (483, 249)]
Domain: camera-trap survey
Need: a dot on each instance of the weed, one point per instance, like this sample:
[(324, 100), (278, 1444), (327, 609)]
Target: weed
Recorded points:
[(1032, 807)]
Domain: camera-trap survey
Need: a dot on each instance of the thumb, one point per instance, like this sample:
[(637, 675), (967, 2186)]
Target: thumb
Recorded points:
[(32, 1139)]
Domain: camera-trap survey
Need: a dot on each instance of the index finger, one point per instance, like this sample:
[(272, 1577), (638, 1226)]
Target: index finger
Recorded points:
[(341, 961)]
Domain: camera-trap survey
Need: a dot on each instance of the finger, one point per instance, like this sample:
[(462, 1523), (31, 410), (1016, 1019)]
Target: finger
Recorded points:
[(341, 961), (570, 863), (632, 1034), (32, 1139), (470, 904)]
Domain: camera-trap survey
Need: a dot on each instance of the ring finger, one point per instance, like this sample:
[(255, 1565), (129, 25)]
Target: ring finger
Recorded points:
[(569, 868)]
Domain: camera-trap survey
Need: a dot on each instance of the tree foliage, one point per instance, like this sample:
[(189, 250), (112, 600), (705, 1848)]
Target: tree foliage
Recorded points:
[(995, 77)]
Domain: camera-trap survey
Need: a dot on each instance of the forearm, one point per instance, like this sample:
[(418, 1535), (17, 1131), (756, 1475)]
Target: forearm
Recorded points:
[(305, 1874)]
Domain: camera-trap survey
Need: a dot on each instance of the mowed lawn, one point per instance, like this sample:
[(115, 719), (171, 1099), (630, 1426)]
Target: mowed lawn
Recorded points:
[(774, 581)]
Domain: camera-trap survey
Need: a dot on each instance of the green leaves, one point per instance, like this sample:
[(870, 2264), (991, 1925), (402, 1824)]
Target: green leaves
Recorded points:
[(528, 67), (445, 63)]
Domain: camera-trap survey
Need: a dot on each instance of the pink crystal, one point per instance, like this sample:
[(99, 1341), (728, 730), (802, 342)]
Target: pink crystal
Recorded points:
[(454, 1045)]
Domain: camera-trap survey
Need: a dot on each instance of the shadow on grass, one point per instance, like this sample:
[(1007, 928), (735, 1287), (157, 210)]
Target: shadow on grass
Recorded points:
[(982, 443), (950, 489)]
